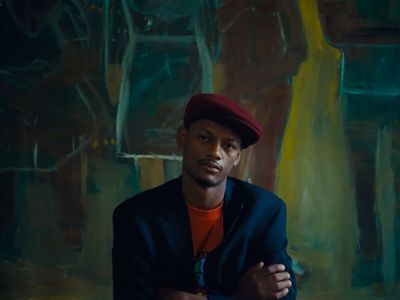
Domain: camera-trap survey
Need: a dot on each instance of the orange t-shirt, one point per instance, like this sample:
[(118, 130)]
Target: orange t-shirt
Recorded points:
[(207, 232), (207, 228)]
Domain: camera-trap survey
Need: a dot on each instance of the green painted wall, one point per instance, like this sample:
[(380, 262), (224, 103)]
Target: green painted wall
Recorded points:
[(91, 95)]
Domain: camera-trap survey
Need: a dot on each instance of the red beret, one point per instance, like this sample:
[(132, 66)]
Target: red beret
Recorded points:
[(226, 112)]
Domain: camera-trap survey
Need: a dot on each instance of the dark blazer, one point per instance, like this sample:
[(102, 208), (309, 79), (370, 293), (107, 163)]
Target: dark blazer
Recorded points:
[(152, 245)]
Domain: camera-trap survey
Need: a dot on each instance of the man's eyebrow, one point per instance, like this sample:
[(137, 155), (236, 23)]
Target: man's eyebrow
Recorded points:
[(232, 139), (229, 139), (206, 131)]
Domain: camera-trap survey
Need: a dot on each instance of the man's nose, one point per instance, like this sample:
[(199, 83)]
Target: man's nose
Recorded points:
[(215, 149)]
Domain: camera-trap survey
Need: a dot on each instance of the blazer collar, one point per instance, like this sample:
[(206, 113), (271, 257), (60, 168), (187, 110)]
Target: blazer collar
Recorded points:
[(174, 207)]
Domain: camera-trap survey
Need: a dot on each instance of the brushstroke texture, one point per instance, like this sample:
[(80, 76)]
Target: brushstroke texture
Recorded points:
[(386, 207), (151, 172), (313, 174)]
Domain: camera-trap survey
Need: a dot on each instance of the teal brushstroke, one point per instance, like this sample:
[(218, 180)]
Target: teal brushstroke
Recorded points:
[(376, 9), (386, 207), (172, 169), (375, 72), (395, 12), (366, 108), (155, 70), (166, 10), (125, 75), (11, 246), (97, 2), (134, 182), (107, 37)]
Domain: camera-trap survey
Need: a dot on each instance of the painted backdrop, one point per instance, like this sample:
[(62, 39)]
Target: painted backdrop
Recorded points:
[(91, 95)]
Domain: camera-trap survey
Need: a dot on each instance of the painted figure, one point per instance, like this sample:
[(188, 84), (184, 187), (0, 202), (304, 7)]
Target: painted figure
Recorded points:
[(51, 108), (262, 47)]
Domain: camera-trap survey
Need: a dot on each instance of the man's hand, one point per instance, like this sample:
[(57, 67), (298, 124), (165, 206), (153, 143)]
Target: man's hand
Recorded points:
[(172, 294), (263, 283)]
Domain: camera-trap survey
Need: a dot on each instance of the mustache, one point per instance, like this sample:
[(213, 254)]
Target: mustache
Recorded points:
[(211, 163)]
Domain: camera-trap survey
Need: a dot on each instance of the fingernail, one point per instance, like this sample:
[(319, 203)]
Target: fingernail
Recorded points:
[(282, 267)]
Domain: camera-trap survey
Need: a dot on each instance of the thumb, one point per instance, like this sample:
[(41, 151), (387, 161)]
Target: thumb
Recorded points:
[(250, 272), (259, 265), (254, 268)]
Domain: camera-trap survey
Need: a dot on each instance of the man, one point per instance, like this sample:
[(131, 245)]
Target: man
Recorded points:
[(204, 234)]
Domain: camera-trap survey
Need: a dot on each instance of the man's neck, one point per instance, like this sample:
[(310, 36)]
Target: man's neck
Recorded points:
[(202, 197)]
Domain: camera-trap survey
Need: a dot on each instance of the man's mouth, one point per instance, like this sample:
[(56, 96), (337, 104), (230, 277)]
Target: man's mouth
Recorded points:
[(211, 165)]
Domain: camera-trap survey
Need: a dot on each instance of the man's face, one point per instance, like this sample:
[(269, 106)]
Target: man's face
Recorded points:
[(209, 152)]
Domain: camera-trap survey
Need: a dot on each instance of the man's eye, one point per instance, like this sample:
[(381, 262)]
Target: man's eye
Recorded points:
[(229, 146), (203, 137)]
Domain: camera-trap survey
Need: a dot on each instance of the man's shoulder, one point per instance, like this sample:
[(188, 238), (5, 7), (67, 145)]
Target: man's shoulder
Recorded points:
[(149, 200), (254, 193)]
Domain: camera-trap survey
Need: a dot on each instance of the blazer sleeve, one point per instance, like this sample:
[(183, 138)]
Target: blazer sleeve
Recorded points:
[(274, 245), (270, 245), (133, 270)]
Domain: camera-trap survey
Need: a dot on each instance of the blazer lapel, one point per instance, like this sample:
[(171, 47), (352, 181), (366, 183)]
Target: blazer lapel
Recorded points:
[(233, 206), (176, 224)]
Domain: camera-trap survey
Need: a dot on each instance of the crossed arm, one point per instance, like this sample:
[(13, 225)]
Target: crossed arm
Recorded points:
[(259, 282)]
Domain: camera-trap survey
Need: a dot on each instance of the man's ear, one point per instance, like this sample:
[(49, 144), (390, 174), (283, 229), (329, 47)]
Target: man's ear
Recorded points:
[(180, 137), (237, 160)]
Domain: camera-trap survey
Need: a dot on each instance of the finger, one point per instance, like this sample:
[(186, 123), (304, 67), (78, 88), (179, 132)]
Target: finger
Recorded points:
[(280, 276), (273, 286), (281, 293), (281, 285), (271, 269)]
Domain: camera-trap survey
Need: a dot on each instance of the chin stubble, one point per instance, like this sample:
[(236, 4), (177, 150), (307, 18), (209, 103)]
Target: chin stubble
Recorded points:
[(204, 183)]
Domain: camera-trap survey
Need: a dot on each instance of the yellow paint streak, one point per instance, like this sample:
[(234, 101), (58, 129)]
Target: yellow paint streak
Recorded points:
[(313, 173), (151, 172), (315, 90)]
